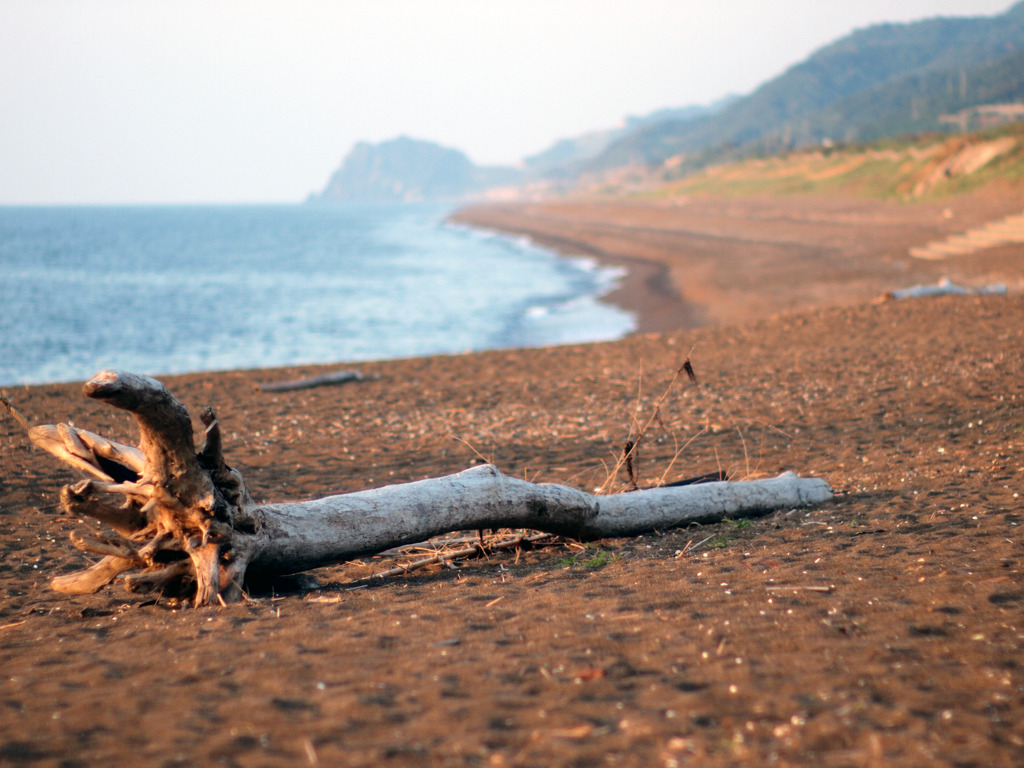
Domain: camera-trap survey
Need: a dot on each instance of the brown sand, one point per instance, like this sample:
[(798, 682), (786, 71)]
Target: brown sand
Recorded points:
[(705, 261), (884, 628)]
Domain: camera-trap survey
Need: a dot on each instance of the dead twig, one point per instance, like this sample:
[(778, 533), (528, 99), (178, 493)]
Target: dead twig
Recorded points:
[(443, 558), (630, 449), (675, 457), (699, 544), (627, 453), (14, 412), (689, 370)]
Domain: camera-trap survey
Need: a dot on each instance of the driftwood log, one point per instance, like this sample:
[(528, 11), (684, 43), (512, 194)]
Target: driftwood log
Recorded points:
[(326, 380), (181, 521)]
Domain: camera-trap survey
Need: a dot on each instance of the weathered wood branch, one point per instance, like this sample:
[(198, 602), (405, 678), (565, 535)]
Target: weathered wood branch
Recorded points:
[(326, 380), (187, 524)]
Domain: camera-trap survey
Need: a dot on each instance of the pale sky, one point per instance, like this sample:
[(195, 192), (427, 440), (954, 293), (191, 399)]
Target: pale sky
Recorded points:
[(177, 101)]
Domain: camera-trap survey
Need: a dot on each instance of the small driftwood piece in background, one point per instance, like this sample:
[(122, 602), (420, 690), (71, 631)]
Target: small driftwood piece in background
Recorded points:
[(326, 380), (183, 522), (945, 288)]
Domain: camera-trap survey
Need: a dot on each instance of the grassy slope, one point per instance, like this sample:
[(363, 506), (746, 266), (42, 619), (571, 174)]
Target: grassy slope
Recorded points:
[(908, 168)]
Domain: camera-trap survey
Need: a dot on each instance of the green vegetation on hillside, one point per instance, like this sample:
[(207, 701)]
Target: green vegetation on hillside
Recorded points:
[(881, 81), (908, 168)]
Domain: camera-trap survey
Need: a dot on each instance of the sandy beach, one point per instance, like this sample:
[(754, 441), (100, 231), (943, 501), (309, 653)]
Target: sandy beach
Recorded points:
[(882, 628), (703, 262)]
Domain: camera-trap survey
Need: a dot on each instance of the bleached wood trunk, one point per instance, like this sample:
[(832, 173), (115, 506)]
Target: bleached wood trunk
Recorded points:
[(314, 533), (187, 519)]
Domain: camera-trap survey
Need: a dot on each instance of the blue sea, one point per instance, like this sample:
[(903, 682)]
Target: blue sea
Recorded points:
[(170, 289)]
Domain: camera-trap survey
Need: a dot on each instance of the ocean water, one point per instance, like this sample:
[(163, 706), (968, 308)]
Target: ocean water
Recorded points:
[(171, 289)]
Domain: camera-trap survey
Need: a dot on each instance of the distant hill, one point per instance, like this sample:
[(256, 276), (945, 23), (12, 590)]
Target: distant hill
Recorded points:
[(567, 157), (937, 75), (916, 103), (410, 170), (562, 157), (879, 81)]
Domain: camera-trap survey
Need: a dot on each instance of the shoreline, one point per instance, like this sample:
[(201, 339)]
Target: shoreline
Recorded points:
[(707, 262), (644, 289), (712, 262)]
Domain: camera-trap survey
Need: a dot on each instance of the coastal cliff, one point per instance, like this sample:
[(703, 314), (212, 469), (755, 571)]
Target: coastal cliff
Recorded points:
[(409, 170)]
